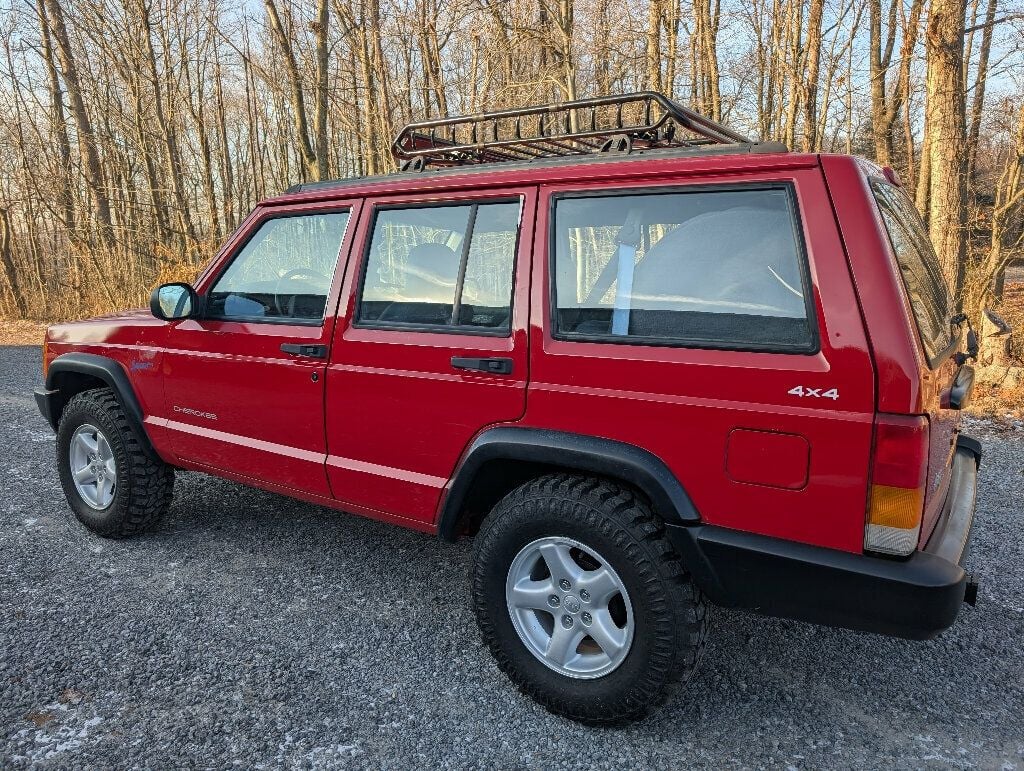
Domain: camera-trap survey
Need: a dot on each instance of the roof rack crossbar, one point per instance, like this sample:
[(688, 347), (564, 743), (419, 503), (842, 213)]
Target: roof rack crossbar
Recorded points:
[(565, 128)]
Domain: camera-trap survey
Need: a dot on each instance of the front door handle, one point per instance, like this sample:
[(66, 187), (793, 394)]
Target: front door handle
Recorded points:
[(302, 349), (493, 366)]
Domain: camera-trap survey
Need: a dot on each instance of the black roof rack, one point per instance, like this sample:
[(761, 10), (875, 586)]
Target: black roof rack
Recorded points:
[(622, 123)]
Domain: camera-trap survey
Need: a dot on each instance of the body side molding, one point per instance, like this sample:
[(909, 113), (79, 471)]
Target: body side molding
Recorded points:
[(576, 452)]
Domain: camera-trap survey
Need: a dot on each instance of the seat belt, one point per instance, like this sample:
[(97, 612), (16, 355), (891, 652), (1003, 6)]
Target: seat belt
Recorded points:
[(628, 240)]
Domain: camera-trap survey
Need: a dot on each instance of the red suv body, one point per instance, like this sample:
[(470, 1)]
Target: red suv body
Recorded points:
[(780, 388)]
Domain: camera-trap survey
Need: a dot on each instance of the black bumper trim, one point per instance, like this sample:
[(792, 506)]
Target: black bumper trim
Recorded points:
[(45, 399), (915, 598)]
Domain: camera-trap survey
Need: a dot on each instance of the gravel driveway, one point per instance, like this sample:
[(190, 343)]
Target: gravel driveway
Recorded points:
[(258, 631)]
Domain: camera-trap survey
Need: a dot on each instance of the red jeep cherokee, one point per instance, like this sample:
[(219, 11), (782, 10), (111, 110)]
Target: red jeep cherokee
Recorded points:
[(649, 364)]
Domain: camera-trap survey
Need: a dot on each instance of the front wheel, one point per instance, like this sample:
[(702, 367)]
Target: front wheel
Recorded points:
[(112, 485), (582, 600)]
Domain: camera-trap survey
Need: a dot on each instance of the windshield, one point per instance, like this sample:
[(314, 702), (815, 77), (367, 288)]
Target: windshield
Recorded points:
[(929, 295)]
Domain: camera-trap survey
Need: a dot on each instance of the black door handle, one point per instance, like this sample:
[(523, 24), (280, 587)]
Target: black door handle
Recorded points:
[(493, 366), (301, 349)]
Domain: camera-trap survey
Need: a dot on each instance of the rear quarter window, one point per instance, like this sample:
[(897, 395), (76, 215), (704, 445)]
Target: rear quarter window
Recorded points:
[(926, 287), (709, 268)]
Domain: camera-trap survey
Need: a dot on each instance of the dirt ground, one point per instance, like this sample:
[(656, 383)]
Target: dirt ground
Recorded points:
[(21, 332)]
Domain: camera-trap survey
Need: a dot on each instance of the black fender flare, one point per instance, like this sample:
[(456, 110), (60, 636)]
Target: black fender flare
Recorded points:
[(972, 445), (102, 368), (576, 452)]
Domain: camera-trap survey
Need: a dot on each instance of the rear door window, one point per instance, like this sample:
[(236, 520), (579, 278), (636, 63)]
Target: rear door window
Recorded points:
[(445, 266), (709, 268), (926, 287)]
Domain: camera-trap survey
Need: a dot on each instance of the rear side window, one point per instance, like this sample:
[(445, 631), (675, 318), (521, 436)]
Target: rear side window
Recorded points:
[(441, 266), (707, 268), (929, 295)]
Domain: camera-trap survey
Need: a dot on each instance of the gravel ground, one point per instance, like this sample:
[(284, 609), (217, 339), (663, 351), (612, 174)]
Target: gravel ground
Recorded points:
[(257, 631)]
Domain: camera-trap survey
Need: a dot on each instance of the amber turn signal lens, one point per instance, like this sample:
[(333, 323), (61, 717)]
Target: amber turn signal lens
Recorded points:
[(896, 507), (894, 520)]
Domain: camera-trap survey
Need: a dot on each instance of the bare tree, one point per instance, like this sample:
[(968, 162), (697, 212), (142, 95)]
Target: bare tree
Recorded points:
[(135, 134), (947, 136)]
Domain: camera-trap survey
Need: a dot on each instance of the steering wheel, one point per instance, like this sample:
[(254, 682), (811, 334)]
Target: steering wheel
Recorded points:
[(294, 273)]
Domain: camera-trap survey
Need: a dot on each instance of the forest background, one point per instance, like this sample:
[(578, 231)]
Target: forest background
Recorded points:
[(136, 134)]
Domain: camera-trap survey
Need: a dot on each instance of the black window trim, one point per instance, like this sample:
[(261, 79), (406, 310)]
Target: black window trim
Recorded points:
[(277, 320), (940, 357), (440, 329), (810, 349)]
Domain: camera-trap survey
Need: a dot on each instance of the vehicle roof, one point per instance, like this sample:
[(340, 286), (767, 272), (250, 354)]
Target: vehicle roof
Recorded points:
[(609, 166)]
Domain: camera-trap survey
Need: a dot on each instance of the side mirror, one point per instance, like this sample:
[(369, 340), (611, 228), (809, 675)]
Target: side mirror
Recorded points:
[(172, 302)]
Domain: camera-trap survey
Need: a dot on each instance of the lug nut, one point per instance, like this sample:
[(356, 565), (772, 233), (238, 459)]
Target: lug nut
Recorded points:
[(566, 586), (553, 601), (584, 595), (567, 622), (586, 618)]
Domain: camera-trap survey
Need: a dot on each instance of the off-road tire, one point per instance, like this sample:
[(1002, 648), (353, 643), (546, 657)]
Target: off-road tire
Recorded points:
[(670, 612), (144, 485)]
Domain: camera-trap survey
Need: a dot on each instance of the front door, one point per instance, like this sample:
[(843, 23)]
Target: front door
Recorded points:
[(431, 349), (244, 384)]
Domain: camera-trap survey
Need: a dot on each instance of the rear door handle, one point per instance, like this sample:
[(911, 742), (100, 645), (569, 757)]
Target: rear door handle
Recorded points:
[(493, 366), (302, 349)]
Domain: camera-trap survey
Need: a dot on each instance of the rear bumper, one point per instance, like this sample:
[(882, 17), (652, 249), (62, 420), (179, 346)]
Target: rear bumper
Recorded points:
[(915, 598)]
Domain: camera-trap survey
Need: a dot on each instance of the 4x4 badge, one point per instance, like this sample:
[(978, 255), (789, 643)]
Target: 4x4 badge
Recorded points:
[(832, 393)]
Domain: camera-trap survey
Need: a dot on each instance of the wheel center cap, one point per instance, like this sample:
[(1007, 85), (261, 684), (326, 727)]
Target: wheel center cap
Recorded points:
[(571, 603)]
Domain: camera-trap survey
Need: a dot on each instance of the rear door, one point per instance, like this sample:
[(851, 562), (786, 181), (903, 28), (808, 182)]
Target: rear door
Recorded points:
[(430, 347)]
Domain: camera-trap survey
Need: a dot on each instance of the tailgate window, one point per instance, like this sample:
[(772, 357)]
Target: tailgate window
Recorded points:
[(929, 295)]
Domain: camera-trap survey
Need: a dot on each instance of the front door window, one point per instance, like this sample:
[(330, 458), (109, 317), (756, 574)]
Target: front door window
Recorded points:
[(283, 273)]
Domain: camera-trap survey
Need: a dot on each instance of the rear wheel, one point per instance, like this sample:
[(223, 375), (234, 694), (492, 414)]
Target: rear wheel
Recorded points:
[(112, 485), (583, 602)]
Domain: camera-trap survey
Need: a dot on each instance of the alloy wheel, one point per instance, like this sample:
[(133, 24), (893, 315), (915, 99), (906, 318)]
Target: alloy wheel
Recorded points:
[(569, 607)]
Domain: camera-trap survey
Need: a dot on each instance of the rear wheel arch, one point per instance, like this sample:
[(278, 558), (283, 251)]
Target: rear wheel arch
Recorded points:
[(73, 373), (501, 459)]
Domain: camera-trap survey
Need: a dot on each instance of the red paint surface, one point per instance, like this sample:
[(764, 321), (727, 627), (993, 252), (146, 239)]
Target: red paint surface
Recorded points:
[(767, 458), (382, 429)]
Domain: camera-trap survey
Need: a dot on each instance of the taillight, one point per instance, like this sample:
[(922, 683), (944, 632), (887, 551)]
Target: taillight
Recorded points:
[(46, 355), (898, 480)]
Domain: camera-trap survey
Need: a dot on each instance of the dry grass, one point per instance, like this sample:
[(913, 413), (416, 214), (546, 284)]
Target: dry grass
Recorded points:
[(21, 332), (999, 403)]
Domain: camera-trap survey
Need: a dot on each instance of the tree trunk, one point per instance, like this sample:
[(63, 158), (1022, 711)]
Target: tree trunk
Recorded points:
[(945, 121), (167, 131), (59, 126), (87, 145), (298, 99), (810, 84), (7, 260), (654, 14), (320, 30), (878, 66), (980, 80)]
